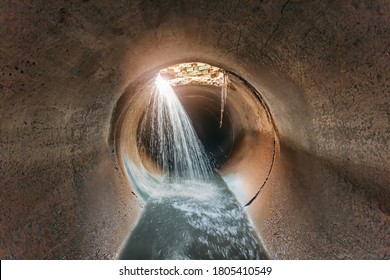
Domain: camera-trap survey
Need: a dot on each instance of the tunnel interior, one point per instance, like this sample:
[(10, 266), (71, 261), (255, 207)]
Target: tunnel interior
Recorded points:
[(304, 141), (148, 149), (241, 148)]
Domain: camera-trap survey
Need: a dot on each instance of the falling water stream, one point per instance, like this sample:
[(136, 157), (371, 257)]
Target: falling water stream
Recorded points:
[(224, 90), (189, 212)]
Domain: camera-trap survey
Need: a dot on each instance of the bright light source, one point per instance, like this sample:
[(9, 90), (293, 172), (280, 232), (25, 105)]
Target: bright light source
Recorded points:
[(160, 82), (163, 86)]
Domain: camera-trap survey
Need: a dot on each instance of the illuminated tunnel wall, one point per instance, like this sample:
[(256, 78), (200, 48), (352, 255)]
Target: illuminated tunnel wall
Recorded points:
[(313, 76)]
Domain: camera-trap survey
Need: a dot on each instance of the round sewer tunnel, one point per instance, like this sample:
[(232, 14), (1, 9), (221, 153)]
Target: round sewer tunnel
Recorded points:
[(241, 147), (307, 95), (234, 144)]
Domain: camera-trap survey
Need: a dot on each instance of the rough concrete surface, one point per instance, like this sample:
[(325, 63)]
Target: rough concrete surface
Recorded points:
[(321, 67)]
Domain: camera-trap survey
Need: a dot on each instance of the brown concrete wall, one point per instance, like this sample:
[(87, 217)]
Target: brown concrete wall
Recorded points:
[(321, 66)]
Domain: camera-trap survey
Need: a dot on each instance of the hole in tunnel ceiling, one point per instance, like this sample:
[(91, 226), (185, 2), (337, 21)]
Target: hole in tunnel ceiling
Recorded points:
[(193, 73)]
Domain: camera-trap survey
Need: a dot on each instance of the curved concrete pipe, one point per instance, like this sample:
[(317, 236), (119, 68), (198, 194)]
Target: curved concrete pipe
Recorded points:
[(243, 148), (320, 67)]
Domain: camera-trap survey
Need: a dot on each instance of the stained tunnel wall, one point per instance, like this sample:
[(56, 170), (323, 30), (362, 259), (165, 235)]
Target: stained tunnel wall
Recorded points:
[(321, 67)]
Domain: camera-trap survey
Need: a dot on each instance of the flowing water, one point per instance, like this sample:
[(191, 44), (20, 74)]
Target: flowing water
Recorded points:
[(167, 133), (189, 211), (224, 90)]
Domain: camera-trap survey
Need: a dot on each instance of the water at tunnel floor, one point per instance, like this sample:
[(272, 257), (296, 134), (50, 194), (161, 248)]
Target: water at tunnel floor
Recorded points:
[(204, 222)]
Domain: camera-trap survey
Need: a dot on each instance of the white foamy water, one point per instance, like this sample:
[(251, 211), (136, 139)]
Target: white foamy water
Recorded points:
[(171, 137)]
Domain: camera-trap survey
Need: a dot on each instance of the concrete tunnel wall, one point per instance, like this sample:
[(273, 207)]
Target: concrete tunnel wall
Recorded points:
[(320, 66)]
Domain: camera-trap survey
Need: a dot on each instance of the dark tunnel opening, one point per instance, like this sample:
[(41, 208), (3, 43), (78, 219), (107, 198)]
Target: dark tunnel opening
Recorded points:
[(203, 105)]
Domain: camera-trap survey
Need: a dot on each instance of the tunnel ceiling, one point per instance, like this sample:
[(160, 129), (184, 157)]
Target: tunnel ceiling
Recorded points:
[(321, 68)]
